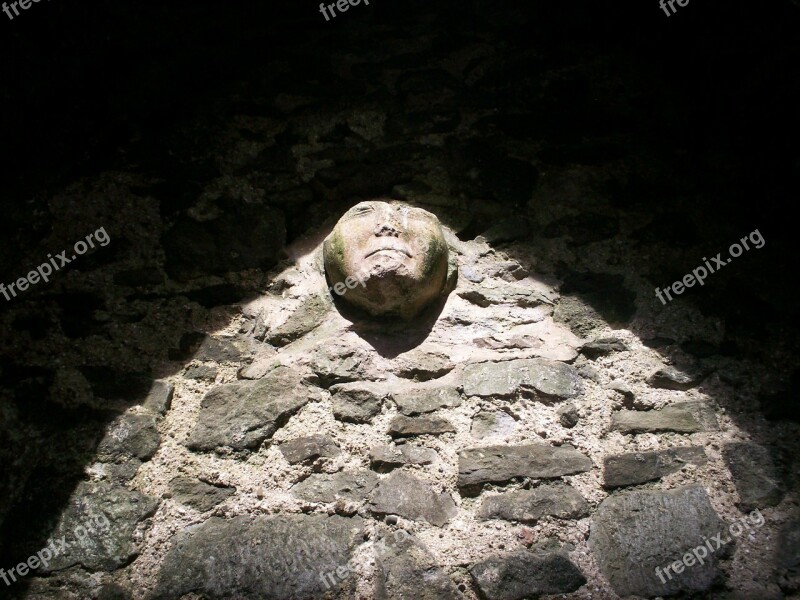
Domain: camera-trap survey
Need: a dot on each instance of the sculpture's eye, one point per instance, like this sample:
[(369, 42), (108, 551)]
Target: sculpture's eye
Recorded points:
[(358, 211)]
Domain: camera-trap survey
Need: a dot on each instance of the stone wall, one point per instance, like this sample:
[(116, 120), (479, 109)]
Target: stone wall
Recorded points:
[(192, 413)]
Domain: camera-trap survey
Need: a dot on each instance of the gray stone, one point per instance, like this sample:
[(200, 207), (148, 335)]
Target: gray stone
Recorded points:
[(309, 448), (416, 455), (682, 417), (516, 295), (405, 495), (537, 377), (159, 399), (198, 494), (639, 467), (471, 274), (221, 350), (303, 320), (98, 525), (357, 402), (130, 435), (425, 400), (634, 533), (499, 464), (385, 458), (261, 558), (402, 426), (201, 373), (787, 556), (421, 365), (119, 472), (243, 415), (524, 574), (670, 378), (528, 506), (754, 474), (405, 569), (488, 424), (602, 347), (354, 486), (568, 416)]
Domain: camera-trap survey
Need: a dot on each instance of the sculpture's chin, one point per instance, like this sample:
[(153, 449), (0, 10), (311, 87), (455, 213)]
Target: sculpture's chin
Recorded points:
[(391, 290)]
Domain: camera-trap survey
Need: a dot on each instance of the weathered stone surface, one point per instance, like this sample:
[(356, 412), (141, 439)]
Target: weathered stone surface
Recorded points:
[(498, 464), (309, 448), (502, 294), (670, 378), (402, 426), (543, 379), (98, 525), (638, 467), (602, 347), (222, 349), (407, 570), (425, 400), (568, 416), (528, 506), (304, 319), (754, 474), (348, 485), (243, 415), (385, 458), (201, 373), (130, 435), (198, 494), (634, 533), (159, 399), (406, 496), (416, 455), (261, 558), (787, 556), (487, 424), (524, 574), (421, 365), (682, 417), (357, 402)]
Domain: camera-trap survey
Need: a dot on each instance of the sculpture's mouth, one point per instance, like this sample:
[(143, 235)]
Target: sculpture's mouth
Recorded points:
[(389, 249)]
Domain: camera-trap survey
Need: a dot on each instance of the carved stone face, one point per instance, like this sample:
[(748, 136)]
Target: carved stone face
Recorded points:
[(397, 254)]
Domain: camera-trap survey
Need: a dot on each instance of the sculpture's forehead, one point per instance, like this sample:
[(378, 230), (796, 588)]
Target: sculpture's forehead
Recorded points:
[(373, 207)]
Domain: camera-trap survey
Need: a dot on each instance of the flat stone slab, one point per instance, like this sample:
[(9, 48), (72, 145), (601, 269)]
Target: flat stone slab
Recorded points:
[(98, 525), (499, 464), (261, 558), (402, 426), (682, 417), (492, 423), (528, 506), (525, 574), (309, 448), (670, 378), (425, 400), (348, 485), (406, 496), (242, 416), (385, 458), (633, 533), (198, 494), (357, 402), (131, 435), (754, 474), (639, 467), (405, 569), (542, 379)]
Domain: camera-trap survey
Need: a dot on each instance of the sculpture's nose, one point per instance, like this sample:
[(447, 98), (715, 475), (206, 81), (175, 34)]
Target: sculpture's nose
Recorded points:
[(387, 229)]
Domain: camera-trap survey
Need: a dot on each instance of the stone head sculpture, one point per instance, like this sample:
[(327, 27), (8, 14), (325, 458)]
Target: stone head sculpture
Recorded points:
[(397, 253)]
